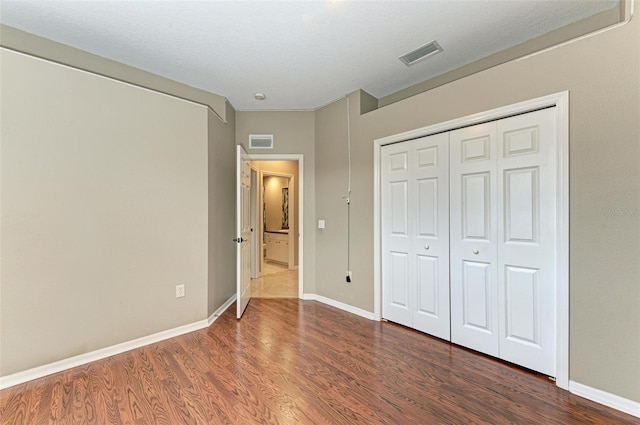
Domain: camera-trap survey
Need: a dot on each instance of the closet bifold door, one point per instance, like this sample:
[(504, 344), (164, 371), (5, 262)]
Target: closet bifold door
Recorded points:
[(527, 239), (503, 239), (415, 234), (474, 248)]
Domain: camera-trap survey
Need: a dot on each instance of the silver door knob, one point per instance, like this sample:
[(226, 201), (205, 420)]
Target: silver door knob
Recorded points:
[(426, 247), (475, 251)]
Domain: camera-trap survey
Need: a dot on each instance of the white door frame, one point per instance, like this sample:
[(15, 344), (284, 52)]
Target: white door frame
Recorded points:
[(300, 185), (561, 102), (255, 270)]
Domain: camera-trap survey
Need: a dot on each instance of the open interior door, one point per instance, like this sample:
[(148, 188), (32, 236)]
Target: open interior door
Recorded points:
[(243, 230)]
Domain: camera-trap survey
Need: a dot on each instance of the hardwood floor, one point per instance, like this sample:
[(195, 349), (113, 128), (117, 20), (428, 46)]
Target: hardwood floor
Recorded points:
[(298, 362)]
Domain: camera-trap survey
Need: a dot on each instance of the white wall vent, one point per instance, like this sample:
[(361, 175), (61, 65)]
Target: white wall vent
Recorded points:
[(420, 53), (261, 141)]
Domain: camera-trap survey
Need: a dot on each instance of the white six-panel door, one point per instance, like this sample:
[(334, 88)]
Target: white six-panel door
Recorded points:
[(243, 230), (494, 249), (474, 249), (527, 240), (415, 242)]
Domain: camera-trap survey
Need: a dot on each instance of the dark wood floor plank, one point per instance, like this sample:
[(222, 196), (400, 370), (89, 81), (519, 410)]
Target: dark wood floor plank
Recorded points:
[(289, 361), (105, 393)]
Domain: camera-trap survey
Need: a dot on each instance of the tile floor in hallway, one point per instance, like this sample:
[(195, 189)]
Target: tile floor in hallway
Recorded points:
[(277, 281)]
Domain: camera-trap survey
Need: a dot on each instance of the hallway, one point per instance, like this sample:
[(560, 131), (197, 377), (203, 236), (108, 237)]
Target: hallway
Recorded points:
[(276, 282)]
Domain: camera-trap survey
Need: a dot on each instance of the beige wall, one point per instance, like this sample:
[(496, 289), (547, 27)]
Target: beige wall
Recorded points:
[(602, 74), (34, 45), (293, 133), (222, 209), (331, 185), (104, 211), (588, 25)]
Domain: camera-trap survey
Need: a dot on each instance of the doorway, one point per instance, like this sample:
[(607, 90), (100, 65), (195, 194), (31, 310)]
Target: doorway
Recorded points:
[(276, 216)]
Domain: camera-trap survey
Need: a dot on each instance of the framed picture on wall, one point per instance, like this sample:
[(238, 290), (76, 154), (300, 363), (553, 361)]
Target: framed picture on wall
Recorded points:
[(285, 207)]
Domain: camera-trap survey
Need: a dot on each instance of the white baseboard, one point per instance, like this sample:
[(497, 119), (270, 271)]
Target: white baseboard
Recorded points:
[(81, 359), (337, 304), (228, 303), (605, 398)]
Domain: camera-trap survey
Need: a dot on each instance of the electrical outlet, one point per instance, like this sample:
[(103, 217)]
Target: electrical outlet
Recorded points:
[(179, 291)]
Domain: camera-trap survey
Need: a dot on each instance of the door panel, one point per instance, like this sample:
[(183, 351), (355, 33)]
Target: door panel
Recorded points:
[(243, 231), (415, 227), (427, 285), (527, 240), (430, 235), (395, 230), (427, 216), (399, 208), (521, 215), (476, 206), (476, 289), (399, 275), (475, 148), (522, 321), (474, 309)]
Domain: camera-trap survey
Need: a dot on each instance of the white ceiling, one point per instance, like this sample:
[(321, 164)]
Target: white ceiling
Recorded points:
[(301, 54)]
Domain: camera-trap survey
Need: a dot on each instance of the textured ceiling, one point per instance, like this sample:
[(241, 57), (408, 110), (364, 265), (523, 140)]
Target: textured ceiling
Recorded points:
[(301, 54)]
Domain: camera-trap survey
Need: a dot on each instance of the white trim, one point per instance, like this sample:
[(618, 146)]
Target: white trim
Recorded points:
[(562, 247), (228, 303), (92, 356), (607, 399), (255, 242), (300, 200), (337, 304), (561, 102), (377, 233), (276, 174)]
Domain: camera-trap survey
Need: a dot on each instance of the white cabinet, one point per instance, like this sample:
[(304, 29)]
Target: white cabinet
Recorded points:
[(277, 247)]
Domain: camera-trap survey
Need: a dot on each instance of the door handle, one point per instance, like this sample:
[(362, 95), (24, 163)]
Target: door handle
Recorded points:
[(475, 251)]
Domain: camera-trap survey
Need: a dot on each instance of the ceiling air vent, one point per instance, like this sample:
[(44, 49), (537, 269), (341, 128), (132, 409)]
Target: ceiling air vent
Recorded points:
[(420, 53), (261, 141)]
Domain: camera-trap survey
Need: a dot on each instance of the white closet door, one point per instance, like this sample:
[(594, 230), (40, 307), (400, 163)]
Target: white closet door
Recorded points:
[(415, 234), (397, 300), (430, 235), (527, 240), (474, 232)]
